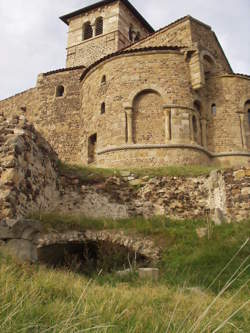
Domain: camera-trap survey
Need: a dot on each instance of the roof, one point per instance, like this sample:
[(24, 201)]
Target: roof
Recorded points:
[(63, 70), (123, 51), (178, 21), (102, 3)]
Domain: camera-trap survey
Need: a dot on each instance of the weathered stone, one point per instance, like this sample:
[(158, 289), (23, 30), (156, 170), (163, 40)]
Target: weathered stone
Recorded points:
[(24, 250), (239, 174), (202, 232), (149, 273)]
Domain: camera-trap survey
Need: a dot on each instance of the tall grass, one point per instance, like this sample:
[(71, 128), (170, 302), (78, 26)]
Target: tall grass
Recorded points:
[(37, 299)]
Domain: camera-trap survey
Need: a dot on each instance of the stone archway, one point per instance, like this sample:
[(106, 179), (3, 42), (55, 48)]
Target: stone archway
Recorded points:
[(95, 250), (148, 118)]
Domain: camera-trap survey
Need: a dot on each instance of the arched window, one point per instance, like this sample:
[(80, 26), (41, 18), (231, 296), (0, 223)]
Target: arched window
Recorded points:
[(87, 31), (103, 108), (213, 109), (247, 110), (99, 26), (59, 91), (131, 33), (197, 106), (195, 127), (138, 36), (104, 80)]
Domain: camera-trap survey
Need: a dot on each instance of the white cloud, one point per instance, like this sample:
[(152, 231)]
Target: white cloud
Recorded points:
[(33, 39)]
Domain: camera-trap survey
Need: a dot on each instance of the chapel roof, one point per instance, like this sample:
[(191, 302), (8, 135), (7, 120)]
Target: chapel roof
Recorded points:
[(102, 3)]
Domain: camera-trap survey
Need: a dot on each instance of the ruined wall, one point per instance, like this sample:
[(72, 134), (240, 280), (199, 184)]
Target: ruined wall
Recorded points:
[(30, 181), (27, 169)]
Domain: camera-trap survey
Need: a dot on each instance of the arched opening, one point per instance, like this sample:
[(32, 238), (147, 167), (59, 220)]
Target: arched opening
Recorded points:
[(103, 108), (131, 33), (99, 26), (213, 109), (148, 118), (195, 128), (59, 91), (92, 142), (208, 64), (87, 31), (247, 110), (104, 80), (90, 257), (197, 106)]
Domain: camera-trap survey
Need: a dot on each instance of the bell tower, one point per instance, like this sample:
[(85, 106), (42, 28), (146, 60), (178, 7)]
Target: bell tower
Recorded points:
[(102, 28)]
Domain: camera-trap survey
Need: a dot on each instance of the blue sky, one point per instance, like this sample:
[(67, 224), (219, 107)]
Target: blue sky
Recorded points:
[(33, 39)]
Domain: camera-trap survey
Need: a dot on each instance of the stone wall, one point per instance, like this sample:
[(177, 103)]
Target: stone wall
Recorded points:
[(228, 129), (31, 182), (57, 118), (27, 169), (25, 103)]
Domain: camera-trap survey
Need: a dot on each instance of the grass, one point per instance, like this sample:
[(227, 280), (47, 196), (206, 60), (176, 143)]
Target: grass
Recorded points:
[(92, 174), (185, 257), (204, 284)]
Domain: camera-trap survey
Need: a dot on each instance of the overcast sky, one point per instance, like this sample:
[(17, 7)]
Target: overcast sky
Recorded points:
[(33, 39)]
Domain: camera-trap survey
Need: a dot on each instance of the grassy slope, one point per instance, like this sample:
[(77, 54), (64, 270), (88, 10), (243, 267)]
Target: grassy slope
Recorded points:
[(33, 299), (99, 174)]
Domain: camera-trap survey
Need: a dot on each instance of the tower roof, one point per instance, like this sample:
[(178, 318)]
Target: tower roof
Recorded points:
[(102, 3)]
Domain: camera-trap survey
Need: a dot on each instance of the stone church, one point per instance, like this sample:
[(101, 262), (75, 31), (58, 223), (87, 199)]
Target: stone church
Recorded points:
[(131, 96)]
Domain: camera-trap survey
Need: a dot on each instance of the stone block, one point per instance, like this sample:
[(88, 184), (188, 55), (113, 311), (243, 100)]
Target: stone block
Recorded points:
[(23, 250), (239, 174), (149, 273)]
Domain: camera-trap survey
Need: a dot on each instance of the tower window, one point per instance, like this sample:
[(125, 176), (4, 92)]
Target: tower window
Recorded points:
[(103, 108), (104, 80), (92, 141), (87, 31), (59, 91), (99, 26), (213, 109)]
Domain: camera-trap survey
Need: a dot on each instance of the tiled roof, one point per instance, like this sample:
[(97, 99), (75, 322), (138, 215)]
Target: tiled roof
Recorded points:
[(123, 51), (66, 17), (63, 70)]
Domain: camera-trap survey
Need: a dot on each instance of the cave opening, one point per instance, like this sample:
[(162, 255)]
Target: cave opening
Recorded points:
[(90, 257)]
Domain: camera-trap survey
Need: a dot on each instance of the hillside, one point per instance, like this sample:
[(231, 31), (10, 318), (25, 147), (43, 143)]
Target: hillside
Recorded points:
[(203, 285)]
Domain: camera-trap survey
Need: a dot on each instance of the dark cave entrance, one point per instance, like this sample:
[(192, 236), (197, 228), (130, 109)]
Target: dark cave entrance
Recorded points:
[(90, 257)]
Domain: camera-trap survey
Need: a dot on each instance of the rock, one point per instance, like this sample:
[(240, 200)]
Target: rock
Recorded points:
[(149, 273), (218, 217), (239, 174), (2, 243), (6, 233), (125, 173), (202, 232), (124, 273), (136, 182), (23, 250)]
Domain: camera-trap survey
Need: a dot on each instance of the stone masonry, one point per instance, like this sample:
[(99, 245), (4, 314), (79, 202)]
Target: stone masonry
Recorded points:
[(32, 182), (132, 96)]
